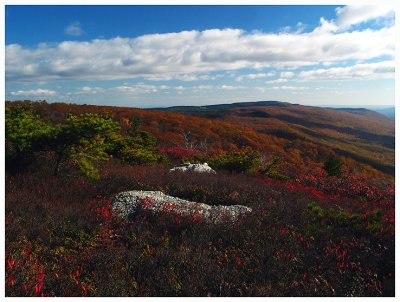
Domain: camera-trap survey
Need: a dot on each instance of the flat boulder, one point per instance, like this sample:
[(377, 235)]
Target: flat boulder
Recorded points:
[(199, 168), (131, 204)]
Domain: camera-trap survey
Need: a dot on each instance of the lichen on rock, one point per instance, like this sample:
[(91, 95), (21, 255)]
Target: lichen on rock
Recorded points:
[(130, 204)]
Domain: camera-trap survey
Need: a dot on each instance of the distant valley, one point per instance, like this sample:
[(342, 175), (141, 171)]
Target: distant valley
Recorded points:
[(364, 135)]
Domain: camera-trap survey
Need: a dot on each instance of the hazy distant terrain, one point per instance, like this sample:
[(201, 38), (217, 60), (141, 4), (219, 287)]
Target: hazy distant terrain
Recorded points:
[(362, 134), (389, 112)]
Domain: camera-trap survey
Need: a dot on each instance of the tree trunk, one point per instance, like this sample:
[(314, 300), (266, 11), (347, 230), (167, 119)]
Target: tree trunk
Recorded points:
[(58, 162)]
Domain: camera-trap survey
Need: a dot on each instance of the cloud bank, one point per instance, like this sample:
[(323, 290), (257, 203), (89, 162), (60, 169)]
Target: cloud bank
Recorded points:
[(371, 71), (184, 55), (34, 92), (352, 15), (190, 55)]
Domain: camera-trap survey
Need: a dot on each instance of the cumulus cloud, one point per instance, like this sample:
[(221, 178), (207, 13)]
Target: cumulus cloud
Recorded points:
[(356, 14), (35, 92), (260, 89), (202, 87), (74, 29), (351, 15), (187, 77), (88, 90), (182, 55), (379, 70), (293, 88), (283, 77), (287, 29), (287, 74), (253, 76), (180, 88), (140, 88), (194, 77), (277, 81), (230, 87), (181, 77), (133, 89)]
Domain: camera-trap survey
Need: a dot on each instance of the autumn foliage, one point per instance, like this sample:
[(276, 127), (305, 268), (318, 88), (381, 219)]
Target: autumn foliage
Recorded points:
[(310, 233)]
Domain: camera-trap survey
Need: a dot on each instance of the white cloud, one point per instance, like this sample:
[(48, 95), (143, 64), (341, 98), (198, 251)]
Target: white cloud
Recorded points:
[(181, 77), (277, 81), (74, 29), (287, 74), (187, 77), (287, 29), (380, 70), (180, 88), (253, 76), (159, 77), (35, 92), (140, 88), (230, 87), (350, 15), (260, 89), (136, 89), (184, 55), (290, 88), (203, 87), (300, 27), (194, 77), (284, 76), (88, 90), (356, 14)]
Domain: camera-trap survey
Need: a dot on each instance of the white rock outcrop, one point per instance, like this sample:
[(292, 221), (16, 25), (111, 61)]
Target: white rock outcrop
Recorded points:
[(199, 168), (132, 203)]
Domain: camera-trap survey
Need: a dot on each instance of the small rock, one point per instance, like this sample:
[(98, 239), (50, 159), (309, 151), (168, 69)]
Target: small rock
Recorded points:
[(199, 168)]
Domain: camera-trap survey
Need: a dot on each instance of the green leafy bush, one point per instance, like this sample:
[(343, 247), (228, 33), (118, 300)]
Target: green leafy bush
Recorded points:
[(140, 155), (271, 170), (333, 166), (244, 160), (316, 209), (335, 219)]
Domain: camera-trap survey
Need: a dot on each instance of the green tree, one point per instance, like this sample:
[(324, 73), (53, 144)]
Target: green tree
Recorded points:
[(26, 132), (85, 140), (140, 149), (333, 166), (135, 124)]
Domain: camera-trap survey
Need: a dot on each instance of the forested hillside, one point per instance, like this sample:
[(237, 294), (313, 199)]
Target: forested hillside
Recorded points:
[(303, 137), (363, 135)]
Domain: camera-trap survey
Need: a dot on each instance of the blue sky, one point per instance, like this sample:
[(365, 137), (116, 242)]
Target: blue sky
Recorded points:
[(152, 56)]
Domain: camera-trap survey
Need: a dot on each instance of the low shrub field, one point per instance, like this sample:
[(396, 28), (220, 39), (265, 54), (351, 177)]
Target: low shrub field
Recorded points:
[(315, 235)]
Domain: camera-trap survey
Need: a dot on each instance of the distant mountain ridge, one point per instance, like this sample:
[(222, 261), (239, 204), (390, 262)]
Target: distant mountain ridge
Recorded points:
[(362, 134), (387, 112), (224, 106)]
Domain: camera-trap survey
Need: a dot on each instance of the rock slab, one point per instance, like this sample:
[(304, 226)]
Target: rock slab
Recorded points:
[(199, 168), (130, 204)]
